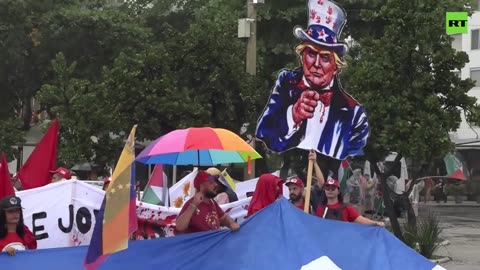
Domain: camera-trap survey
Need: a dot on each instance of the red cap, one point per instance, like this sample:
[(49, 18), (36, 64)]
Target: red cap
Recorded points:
[(332, 182), (201, 178), (294, 180), (66, 173)]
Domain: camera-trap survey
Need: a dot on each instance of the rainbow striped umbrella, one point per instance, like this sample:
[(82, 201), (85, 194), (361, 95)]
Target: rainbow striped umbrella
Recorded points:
[(198, 147)]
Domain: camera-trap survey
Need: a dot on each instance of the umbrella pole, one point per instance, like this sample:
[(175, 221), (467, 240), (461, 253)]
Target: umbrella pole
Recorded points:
[(174, 176), (309, 186), (198, 158)]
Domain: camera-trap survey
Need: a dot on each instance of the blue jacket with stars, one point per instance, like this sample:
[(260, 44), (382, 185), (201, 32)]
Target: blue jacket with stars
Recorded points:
[(344, 133)]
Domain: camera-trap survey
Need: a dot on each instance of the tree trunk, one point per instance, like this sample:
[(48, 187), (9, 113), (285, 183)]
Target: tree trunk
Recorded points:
[(386, 195), (411, 217), (27, 113)]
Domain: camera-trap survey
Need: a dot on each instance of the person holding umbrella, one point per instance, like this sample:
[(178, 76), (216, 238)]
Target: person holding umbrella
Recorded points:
[(201, 213)]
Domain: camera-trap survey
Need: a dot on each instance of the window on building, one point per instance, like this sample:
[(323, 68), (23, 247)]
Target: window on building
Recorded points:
[(475, 75), (475, 39), (457, 42)]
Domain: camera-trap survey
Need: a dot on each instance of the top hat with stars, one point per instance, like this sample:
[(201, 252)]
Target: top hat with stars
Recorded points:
[(326, 20)]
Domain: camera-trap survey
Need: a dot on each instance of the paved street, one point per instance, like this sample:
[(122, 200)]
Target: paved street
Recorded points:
[(462, 228)]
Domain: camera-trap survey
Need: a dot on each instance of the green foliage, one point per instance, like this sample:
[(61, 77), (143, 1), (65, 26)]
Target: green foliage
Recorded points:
[(163, 66), (457, 189), (406, 82), (428, 234), (74, 101), (10, 135), (91, 37), (425, 236), (410, 236)]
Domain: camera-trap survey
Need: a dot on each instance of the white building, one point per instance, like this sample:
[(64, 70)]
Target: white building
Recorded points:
[(467, 137)]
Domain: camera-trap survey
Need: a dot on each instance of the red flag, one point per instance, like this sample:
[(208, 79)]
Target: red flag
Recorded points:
[(36, 170), (6, 188)]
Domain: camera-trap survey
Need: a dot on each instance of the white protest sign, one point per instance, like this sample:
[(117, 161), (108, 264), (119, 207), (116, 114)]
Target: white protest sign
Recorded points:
[(60, 213)]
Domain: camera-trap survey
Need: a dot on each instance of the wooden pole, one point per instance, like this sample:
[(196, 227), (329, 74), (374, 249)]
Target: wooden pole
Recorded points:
[(309, 186)]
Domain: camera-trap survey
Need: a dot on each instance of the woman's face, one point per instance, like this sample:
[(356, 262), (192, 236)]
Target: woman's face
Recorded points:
[(13, 216), (331, 191)]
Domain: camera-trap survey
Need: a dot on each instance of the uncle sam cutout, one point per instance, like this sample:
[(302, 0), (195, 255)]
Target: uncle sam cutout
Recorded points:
[(308, 108)]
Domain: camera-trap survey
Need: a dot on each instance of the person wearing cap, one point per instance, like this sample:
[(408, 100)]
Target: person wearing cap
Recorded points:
[(296, 189), (60, 174), (201, 213), (332, 207), (224, 193), (14, 235)]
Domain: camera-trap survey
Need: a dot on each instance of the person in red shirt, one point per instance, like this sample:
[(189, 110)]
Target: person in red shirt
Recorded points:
[(201, 213), (14, 235), (332, 207), (268, 189)]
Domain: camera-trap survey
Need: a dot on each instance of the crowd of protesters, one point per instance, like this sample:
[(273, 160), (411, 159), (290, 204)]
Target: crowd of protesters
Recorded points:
[(203, 212)]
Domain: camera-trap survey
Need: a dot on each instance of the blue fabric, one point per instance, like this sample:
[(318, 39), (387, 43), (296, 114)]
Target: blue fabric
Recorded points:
[(191, 157), (280, 237)]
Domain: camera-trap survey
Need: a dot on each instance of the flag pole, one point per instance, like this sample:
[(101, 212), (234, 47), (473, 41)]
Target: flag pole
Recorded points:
[(309, 186)]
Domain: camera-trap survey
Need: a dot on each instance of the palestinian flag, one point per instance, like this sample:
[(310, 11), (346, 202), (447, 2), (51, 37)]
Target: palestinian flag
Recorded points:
[(154, 192), (454, 167)]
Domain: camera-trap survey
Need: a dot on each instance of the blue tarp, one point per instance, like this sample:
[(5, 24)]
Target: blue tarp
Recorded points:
[(278, 237)]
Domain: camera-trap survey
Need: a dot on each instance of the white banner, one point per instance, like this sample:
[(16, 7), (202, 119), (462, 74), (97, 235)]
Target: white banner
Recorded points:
[(61, 214)]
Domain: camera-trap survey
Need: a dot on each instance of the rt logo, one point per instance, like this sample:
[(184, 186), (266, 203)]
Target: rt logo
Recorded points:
[(457, 23)]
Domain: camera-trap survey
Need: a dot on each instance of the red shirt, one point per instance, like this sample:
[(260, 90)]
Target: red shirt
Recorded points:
[(349, 213), (12, 238), (205, 218)]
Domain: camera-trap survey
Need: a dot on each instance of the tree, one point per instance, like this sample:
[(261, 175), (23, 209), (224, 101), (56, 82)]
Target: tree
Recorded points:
[(136, 65), (23, 56), (85, 129), (406, 82), (191, 75), (10, 135), (91, 36)]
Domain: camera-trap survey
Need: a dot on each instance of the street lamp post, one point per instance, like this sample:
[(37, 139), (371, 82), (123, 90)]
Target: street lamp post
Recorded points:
[(251, 61), (247, 28)]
